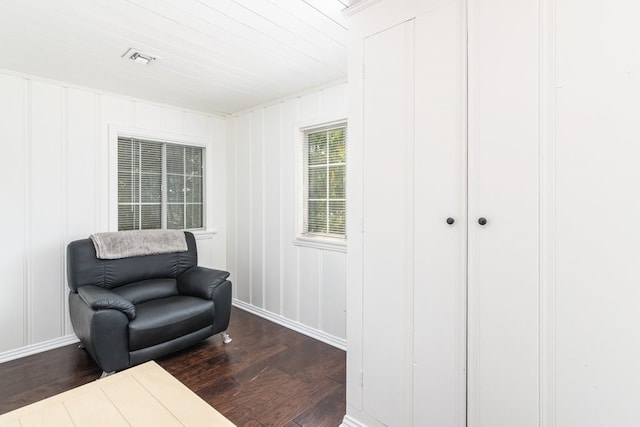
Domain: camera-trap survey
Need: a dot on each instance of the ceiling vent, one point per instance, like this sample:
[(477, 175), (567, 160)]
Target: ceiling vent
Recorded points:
[(139, 57)]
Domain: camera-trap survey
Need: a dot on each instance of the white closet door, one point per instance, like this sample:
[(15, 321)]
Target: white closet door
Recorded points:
[(388, 224), (503, 172), (413, 260), (440, 193)]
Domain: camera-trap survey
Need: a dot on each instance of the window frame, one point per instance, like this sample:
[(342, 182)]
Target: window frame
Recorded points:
[(116, 132), (319, 241)]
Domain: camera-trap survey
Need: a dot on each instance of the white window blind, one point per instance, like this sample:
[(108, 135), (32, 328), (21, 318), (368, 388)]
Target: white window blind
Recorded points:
[(160, 185), (324, 171)]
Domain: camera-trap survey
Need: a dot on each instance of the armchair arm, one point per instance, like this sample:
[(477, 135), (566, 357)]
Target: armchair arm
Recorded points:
[(201, 281), (103, 332), (98, 298)]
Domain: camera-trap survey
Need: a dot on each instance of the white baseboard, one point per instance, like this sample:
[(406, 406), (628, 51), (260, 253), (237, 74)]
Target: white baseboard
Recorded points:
[(296, 326), (350, 422), (37, 348)]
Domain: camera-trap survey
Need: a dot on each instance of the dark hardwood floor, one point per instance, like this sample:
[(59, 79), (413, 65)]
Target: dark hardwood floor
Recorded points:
[(268, 376)]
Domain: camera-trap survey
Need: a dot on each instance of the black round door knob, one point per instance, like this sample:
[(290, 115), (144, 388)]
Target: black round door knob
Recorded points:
[(450, 221), (482, 221)]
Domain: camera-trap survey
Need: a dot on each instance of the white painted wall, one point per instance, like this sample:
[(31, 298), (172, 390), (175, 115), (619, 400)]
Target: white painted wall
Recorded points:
[(55, 186), (592, 281), (301, 287)]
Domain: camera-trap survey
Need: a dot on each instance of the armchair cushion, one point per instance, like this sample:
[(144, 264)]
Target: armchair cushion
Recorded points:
[(164, 319), (102, 299), (201, 281)]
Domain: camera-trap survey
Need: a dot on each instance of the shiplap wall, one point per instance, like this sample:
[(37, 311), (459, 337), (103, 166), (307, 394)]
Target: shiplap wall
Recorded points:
[(300, 287), (54, 184)]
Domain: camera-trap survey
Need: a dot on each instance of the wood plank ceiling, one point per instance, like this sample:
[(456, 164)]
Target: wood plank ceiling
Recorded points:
[(217, 56)]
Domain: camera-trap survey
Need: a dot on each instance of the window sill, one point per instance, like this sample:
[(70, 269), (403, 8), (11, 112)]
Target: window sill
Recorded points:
[(324, 243), (203, 234)]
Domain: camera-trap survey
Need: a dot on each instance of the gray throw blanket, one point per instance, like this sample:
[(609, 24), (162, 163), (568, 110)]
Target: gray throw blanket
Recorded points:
[(124, 244)]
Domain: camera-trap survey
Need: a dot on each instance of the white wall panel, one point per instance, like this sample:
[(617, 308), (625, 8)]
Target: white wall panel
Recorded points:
[(274, 275), (196, 124), (231, 204), (172, 120), (81, 163), (148, 116), (290, 253), (333, 298), (243, 208), (13, 189), (58, 184), (115, 111), (309, 287), (205, 250), (596, 205), (309, 105), (333, 99), (216, 187), (257, 209), (80, 179), (46, 239), (272, 209)]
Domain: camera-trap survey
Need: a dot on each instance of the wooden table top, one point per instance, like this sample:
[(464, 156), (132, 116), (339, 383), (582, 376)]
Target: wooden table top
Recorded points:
[(145, 395)]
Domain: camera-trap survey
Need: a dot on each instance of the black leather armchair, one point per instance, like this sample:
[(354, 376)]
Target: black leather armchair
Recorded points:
[(130, 310)]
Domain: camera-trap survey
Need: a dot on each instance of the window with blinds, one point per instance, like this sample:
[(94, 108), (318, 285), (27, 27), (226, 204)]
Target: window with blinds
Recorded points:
[(324, 171), (160, 185)]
